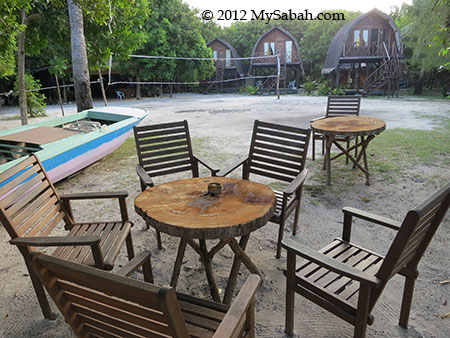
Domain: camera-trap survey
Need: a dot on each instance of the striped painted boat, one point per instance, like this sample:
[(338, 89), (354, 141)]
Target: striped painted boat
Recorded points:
[(68, 144)]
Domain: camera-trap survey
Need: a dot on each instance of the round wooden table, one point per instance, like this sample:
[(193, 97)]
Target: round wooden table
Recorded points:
[(363, 127), (185, 209)]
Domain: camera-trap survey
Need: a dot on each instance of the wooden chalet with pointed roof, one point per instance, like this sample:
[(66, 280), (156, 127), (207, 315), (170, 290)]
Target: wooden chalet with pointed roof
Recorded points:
[(365, 55)]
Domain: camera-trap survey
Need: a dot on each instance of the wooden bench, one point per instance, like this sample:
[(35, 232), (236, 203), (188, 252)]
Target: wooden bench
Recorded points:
[(97, 303), (31, 209)]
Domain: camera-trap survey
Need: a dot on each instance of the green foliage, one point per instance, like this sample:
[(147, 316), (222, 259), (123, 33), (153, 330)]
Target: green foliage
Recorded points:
[(424, 25), (173, 30), (338, 91), (323, 89), (251, 90), (35, 101), (309, 86)]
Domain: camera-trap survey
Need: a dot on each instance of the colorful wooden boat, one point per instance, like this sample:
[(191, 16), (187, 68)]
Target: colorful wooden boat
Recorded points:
[(68, 144)]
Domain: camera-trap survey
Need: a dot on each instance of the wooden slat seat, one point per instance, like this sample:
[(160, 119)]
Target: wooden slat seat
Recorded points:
[(337, 105), (96, 303), (165, 149), (31, 209), (112, 235), (347, 280), (278, 152)]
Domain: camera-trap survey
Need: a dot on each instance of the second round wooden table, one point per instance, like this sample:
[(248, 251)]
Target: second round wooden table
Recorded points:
[(364, 127), (184, 209)]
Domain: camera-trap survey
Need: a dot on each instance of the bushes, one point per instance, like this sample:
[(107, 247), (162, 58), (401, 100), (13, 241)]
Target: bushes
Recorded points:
[(252, 90), (35, 101), (309, 86)]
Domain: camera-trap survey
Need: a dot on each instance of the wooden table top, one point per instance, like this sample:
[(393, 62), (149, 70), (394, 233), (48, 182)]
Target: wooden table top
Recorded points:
[(349, 125), (183, 208)]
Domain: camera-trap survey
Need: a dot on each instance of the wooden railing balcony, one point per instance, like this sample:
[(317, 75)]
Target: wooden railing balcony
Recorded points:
[(272, 59), (366, 49)]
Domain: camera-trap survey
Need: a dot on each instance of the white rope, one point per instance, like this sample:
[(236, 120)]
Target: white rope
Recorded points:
[(188, 83), (43, 88), (198, 59)]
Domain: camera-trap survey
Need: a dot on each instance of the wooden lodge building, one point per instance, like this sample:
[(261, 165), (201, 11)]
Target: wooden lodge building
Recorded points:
[(226, 67), (277, 41), (365, 55)]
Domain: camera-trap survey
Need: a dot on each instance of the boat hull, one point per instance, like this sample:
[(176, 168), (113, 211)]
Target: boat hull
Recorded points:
[(64, 157)]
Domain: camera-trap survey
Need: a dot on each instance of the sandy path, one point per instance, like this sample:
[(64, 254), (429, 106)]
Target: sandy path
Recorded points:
[(221, 127)]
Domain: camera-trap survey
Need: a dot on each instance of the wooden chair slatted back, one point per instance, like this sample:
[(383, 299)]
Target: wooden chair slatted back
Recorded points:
[(339, 105), (94, 301), (165, 149), (414, 236), (277, 151), (29, 203)]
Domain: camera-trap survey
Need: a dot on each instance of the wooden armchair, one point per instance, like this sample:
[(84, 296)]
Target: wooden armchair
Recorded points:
[(102, 304), (347, 280), (165, 149), (337, 105), (30, 209), (278, 152)]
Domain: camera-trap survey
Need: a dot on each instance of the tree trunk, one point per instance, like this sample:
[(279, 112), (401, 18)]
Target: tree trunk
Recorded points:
[(21, 72), (138, 87), (80, 68), (59, 94), (419, 82), (100, 79)]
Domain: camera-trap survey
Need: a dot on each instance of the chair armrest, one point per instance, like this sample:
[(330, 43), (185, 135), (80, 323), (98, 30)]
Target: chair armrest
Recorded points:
[(144, 177), (92, 241), (142, 259), (214, 170), (55, 241), (328, 262), (225, 171), (94, 195), (384, 221), (296, 183), (318, 118), (120, 195), (243, 303)]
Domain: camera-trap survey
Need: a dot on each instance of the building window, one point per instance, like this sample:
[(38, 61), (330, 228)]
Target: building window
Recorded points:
[(365, 41), (215, 55), (289, 51), (227, 58), (269, 48), (356, 38)]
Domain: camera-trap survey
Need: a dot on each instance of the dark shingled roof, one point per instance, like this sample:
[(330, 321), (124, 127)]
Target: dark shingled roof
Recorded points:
[(335, 50), (234, 54)]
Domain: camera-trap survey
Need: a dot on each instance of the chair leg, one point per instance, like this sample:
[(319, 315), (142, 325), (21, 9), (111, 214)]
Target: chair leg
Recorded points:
[(280, 238), (42, 297), (297, 211), (313, 147), (158, 239), (362, 312), (323, 145), (130, 249), (290, 295), (406, 301)]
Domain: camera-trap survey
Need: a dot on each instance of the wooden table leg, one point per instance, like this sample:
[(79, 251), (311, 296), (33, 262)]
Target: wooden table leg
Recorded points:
[(178, 262), (209, 273), (234, 270), (329, 143), (363, 150)]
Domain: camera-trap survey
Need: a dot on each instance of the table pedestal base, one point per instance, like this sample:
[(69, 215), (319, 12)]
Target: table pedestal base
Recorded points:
[(206, 257)]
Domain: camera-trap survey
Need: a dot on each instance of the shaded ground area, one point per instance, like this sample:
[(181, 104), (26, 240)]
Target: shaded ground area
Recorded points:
[(407, 165)]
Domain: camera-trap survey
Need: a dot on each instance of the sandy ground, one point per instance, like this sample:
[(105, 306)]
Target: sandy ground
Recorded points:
[(221, 127)]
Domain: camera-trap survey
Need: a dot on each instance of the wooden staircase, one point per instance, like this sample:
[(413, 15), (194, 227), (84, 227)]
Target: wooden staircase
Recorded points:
[(387, 74)]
